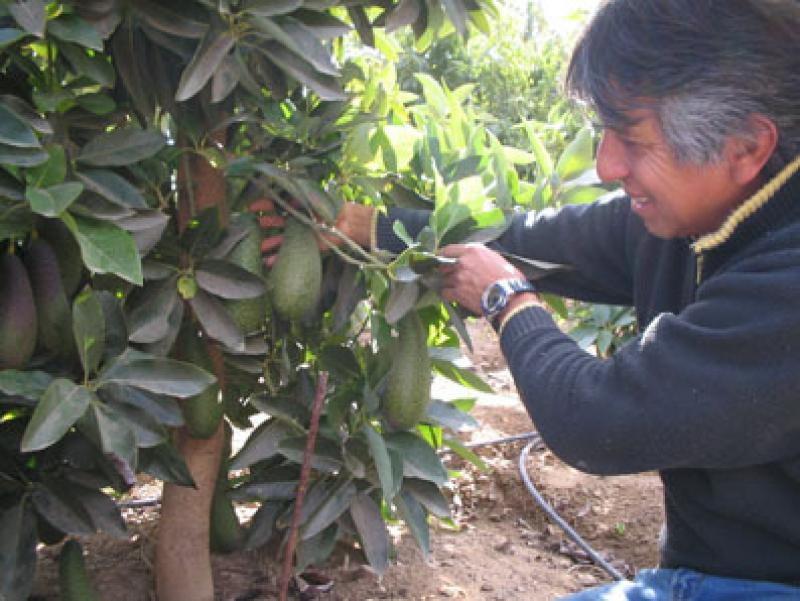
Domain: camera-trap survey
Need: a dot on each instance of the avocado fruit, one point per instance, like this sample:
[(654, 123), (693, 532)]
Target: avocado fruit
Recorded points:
[(408, 385), (70, 263), (250, 313), (225, 531), (74, 580), (18, 320), (202, 412), (296, 278), (54, 334)]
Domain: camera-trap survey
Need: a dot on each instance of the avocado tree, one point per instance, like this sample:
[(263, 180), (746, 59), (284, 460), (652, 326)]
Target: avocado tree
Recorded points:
[(136, 321)]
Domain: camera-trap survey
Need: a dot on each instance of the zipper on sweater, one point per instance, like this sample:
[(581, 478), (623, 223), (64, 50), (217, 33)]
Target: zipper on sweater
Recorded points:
[(698, 270)]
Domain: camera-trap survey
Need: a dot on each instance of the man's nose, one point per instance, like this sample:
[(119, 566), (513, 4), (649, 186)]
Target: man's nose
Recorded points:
[(612, 163)]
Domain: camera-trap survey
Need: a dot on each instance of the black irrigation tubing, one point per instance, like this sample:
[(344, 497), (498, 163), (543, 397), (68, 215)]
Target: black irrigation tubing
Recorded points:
[(553, 514)]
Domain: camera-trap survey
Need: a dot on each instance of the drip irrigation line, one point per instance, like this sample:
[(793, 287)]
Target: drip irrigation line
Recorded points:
[(504, 440), (553, 514)]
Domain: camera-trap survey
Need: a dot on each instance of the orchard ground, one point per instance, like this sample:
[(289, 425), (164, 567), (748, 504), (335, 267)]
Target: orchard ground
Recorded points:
[(505, 548)]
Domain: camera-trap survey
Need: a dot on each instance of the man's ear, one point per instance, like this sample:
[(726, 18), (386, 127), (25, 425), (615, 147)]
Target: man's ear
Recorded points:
[(749, 151)]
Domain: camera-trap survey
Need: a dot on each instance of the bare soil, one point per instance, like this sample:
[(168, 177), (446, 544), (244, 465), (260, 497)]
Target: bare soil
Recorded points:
[(503, 546)]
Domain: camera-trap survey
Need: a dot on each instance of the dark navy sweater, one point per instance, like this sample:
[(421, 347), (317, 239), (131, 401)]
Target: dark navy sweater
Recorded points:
[(708, 394)]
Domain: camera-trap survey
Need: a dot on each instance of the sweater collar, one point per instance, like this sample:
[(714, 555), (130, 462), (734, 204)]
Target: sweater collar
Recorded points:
[(775, 204)]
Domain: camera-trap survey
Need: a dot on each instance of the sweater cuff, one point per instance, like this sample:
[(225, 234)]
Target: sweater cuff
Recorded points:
[(521, 323)]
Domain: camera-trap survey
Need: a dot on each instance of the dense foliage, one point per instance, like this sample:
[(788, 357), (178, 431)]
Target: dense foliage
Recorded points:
[(133, 136)]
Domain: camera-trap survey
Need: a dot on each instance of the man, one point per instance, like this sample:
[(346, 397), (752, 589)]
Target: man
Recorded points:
[(700, 101)]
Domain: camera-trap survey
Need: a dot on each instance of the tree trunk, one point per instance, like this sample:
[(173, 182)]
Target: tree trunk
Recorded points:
[(183, 557)]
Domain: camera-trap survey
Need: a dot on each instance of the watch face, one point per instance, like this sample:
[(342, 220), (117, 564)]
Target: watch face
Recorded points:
[(496, 298)]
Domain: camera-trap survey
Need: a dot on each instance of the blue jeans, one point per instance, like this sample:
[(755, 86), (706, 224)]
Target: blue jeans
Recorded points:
[(687, 585)]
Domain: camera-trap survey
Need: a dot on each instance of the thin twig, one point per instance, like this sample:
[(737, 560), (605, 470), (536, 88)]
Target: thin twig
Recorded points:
[(305, 472)]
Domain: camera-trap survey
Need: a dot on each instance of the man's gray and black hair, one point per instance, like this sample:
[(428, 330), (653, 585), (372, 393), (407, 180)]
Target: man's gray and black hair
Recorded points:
[(705, 66)]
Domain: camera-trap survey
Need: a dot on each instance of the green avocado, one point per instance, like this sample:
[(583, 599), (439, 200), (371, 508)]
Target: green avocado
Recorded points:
[(203, 412), (53, 312), (75, 583), (296, 278), (251, 313), (408, 385), (18, 321)]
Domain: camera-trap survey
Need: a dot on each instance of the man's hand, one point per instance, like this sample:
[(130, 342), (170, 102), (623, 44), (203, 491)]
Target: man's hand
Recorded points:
[(353, 221), (476, 268)]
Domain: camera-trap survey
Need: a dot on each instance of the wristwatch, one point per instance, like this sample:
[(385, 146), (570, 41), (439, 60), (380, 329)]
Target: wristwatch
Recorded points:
[(496, 296)]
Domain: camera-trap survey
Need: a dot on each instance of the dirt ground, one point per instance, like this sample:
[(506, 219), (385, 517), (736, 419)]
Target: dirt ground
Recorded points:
[(504, 547)]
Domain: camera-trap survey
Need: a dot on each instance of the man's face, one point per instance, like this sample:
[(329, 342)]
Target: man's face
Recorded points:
[(673, 198)]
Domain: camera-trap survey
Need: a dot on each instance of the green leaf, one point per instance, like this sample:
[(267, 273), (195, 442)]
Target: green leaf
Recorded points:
[(543, 159), (9, 36), (228, 280), (165, 463), (402, 298), (17, 550), (465, 453), (316, 549), (464, 377), (72, 28), (165, 410), (429, 495), (419, 458), (335, 505), (404, 13), (89, 327), (29, 385), (116, 437), (383, 464), (449, 416), (54, 200), (217, 321), (416, 519), (164, 19), (15, 131), (106, 248), (372, 531), (577, 156), (22, 157), (433, 92), (102, 510), (148, 320), (262, 444), (301, 41), (159, 375), (113, 187), (120, 147), (458, 15), (95, 67), (270, 8), (97, 103), (30, 14), (325, 86), (262, 525), (327, 456), (50, 173), (207, 58), (62, 404), (55, 503)]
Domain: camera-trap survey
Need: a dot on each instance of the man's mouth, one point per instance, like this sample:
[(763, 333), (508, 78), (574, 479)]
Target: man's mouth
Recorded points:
[(640, 202)]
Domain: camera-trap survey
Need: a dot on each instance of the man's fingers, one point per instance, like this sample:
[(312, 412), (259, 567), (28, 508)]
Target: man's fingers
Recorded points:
[(454, 250), (271, 243), (271, 221)]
